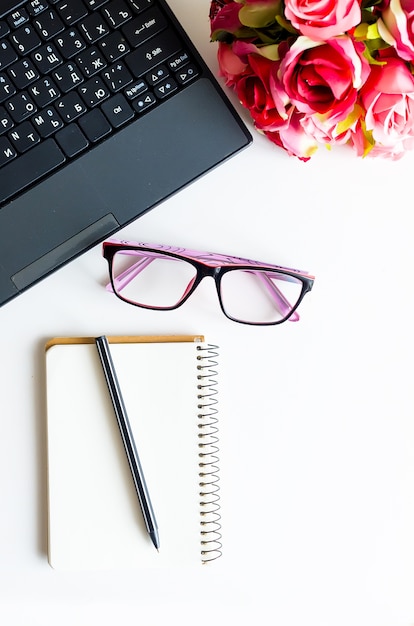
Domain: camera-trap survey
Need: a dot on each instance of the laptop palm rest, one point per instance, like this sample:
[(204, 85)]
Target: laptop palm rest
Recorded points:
[(119, 180), (66, 250)]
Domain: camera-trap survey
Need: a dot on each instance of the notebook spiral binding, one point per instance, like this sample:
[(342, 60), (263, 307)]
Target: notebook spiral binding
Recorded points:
[(208, 453)]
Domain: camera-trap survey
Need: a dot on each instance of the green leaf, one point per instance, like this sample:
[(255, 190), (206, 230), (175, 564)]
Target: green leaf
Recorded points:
[(270, 52), (360, 32), (371, 47), (350, 120), (259, 15), (285, 24), (372, 31)]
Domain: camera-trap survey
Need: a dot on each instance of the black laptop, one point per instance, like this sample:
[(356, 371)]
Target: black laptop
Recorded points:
[(106, 109)]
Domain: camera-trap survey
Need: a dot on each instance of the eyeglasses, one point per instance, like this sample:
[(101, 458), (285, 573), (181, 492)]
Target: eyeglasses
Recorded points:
[(162, 278)]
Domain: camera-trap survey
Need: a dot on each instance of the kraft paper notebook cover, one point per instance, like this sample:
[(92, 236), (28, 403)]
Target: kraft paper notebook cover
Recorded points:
[(168, 387)]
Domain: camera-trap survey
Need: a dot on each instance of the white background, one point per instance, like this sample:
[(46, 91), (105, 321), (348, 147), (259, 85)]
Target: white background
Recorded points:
[(317, 432)]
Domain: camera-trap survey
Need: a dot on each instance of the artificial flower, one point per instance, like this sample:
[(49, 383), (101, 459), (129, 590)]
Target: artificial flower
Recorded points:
[(323, 19), (388, 101), (324, 77), (326, 72), (396, 27)]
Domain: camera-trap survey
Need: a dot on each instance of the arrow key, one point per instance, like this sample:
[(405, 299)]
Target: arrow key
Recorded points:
[(147, 100), (162, 90), (157, 75), (186, 73)]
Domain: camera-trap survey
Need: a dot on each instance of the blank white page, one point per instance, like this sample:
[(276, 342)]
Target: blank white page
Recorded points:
[(95, 521)]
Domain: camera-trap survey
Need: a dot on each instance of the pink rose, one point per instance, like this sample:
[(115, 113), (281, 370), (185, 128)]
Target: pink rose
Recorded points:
[(254, 78), (388, 99), (323, 131), (224, 16), (292, 137), (396, 27), (323, 19), (231, 66), (359, 139), (324, 78)]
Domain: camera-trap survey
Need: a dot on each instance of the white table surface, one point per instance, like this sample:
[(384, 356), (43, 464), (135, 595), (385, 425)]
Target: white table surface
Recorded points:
[(317, 423)]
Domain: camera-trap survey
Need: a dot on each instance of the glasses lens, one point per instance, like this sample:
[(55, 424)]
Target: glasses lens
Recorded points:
[(259, 296), (150, 279)]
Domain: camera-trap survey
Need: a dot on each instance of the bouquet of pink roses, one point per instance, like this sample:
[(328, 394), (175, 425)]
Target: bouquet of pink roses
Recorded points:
[(314, 72)]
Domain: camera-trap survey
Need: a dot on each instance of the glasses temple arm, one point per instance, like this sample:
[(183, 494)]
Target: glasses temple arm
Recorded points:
[(125, 277), (281, 302)]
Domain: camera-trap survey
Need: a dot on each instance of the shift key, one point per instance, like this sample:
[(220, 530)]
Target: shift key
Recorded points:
[(153, 52)]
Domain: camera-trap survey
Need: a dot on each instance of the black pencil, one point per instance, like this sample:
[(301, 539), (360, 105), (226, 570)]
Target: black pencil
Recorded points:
[(128, 439)]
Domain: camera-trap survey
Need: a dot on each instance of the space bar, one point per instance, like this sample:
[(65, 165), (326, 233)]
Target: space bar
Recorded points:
[(29, 168)]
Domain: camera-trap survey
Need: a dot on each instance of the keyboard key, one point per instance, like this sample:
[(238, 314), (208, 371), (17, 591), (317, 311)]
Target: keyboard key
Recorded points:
[(48, 24), (139, 5), (18, 18), (4, 29), (156, 76), (94, 28), (70, 43), (187, 73), (145, 26), (144, 102), (68, 76), (134, 90), (94, 91), (91, 61), (117, 77), (114, 46), (47, 122), (117, 110), (178, 61), (71, 140), (23, 73), (6, 121), (24, 137), (34, 7), (47, 58), (95, 125), (71, 11), (44, 91), (20, 107), (25, 39), (162, 90), (156, 50), (7, 152), (70, 107), (7, 88), (8, 54), (117, 13), (29, 168)]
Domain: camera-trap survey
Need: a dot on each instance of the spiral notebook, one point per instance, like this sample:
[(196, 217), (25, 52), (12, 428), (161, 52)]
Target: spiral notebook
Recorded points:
[(169, 390)]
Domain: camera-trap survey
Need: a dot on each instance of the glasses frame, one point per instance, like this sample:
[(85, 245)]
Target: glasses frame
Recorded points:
[(205, 264)]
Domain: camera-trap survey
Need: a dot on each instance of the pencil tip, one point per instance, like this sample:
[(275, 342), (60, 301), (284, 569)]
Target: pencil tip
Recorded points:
[(155, 539)]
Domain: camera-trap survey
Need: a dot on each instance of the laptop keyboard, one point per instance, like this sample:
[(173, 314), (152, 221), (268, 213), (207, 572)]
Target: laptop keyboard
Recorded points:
[(73, 72)]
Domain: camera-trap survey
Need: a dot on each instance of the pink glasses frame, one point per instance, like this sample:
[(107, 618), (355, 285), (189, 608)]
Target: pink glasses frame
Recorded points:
[(206, 264)]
